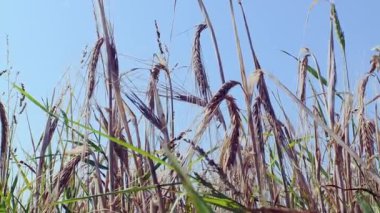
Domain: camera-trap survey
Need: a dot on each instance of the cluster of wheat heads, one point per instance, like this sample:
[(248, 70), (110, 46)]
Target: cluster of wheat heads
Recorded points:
[(129, 153)]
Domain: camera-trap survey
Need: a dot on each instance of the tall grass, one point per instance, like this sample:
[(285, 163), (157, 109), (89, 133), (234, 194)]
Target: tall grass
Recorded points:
[(129, 153)]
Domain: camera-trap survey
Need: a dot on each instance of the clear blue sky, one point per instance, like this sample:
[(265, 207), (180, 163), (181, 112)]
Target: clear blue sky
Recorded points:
[(47, 37)]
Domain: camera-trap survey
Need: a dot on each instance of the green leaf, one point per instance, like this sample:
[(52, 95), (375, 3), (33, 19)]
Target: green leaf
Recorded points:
[(65, 118), (311, 70), (124, 144), (92, 163), (365, 206), (31, 98), (217, 198), (113, 139), (225, 203), (198, 202), (14, 184), (23, 174)]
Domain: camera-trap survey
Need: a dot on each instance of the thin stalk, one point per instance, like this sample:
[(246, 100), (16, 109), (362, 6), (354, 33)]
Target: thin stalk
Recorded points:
[(111, 158), (248, 100), (213, 36), (255, 60)]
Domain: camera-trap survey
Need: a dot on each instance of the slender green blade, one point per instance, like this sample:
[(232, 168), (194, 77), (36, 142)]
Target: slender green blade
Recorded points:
[(310, 69)]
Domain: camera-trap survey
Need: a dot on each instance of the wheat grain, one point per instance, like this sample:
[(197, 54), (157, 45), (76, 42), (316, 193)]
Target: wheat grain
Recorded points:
[(197, 65), (4, 144), (231, 144), (92, 68)]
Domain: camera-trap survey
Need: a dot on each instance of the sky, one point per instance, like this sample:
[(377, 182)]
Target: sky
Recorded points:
[(46, 38)]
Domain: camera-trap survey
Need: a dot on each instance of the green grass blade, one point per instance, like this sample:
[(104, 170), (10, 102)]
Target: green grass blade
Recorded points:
[(199, 203), (124, 144), (365, 206), (224, 203), (31, 98), (113, 139), (311, 70)]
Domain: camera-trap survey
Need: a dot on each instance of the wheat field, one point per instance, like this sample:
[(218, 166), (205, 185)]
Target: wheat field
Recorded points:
[(125, 148)]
